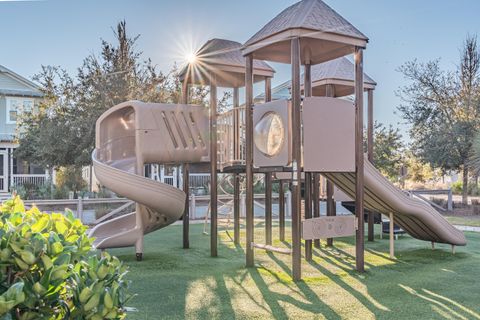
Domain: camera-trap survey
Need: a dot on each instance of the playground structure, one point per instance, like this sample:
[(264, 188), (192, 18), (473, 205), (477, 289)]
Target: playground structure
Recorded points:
[(265, 138)]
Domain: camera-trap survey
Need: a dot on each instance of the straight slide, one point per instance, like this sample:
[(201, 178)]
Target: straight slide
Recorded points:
[(415, 216)]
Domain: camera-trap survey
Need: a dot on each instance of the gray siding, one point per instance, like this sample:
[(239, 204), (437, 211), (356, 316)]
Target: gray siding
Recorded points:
[(4, 128), (8, 130), (7, 82)]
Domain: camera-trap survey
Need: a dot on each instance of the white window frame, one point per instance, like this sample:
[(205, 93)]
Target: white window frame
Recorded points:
[(8, 108)]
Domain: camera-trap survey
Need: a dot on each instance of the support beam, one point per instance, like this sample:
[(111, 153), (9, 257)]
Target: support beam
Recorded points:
[(213, 167), (307, 72), (186, 183), (236, 124), (370, 128), (296, 161), (268, 89), (281, 209), (268, 208), (331, 206), (316, 203), (249, 159), (236, 176), (268, 179), (236, 208), (392, 236), (308, 211), (359, 169), (186, 213)]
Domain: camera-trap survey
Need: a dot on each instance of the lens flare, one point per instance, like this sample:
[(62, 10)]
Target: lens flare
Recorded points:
[(190, 58)]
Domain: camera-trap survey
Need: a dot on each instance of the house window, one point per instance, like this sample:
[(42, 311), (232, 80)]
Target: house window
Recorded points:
[(15, 106), (23, 167)]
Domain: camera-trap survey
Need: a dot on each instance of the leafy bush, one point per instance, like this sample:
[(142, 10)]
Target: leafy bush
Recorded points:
[(30, 191), (457, 187), (49, 271)]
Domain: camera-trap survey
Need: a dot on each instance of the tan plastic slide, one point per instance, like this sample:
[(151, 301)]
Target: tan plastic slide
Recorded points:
[(130, 135), (415, 216)]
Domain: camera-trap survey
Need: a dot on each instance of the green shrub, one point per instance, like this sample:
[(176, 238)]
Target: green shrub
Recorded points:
[(30, 191), (457, 187), (49, 271)]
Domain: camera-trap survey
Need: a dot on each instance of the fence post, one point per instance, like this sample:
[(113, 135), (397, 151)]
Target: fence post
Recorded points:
[(450, 200), (193, 215), (289, 204), (243, 209), (80, 208)]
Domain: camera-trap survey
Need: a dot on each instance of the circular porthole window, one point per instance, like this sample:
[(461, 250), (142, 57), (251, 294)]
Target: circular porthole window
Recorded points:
[(269, 134)]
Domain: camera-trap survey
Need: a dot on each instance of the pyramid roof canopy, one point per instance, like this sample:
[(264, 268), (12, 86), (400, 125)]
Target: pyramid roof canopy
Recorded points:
[(340, 73), (223, 60), (324, 34)]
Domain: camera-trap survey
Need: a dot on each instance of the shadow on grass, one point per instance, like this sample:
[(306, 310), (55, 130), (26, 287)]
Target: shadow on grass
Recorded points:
[(314, 305)]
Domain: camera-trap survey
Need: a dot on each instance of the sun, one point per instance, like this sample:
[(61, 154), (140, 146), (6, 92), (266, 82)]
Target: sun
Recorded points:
[(191, 58)]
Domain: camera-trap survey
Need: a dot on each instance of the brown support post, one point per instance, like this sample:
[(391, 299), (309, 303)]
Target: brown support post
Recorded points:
[(268, 179), (371, 229), (268, 208), (236, 176), (281, 209), (186, 213), (316, 203), (213, 166), (308, 211), (392, 236), (268, 89), (316, 176), (236, 124), (296, 161), (359, 169), (308, 175), (331, 206), (249, 159), (236, 208), (186, 183)]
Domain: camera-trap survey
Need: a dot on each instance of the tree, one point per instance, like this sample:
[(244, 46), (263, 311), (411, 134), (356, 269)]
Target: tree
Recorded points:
[(62, 131), (442, 108), (387, 150), (417, 171)]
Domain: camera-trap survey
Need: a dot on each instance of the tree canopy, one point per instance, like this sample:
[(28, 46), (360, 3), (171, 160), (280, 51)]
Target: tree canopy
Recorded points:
[(61, 130), (387, 150), (442, 107)]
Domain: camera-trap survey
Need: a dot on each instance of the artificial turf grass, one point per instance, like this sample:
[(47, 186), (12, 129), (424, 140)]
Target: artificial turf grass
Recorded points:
[(173, 283)]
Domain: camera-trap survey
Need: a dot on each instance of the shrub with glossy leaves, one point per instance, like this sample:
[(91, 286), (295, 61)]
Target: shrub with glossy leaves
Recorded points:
[(49, 271)]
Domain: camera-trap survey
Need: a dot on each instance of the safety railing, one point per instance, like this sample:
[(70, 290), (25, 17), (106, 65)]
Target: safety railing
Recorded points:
[(423, 193), (32, 179), (231, 137)]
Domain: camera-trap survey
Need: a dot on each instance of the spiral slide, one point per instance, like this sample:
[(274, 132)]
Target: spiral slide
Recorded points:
[(128, 136), (415, 216)]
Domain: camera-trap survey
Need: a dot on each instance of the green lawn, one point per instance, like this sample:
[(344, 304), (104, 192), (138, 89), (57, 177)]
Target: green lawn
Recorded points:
[(473, 221), (173, 283)]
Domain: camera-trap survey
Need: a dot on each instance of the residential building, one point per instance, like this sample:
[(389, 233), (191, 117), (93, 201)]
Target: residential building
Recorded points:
[(17, 95)]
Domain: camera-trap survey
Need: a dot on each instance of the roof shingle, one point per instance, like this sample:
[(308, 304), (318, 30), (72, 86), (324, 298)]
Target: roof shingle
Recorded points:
[(307, 14)]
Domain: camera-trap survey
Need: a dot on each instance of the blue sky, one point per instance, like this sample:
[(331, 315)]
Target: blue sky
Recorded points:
[(64, 32)]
